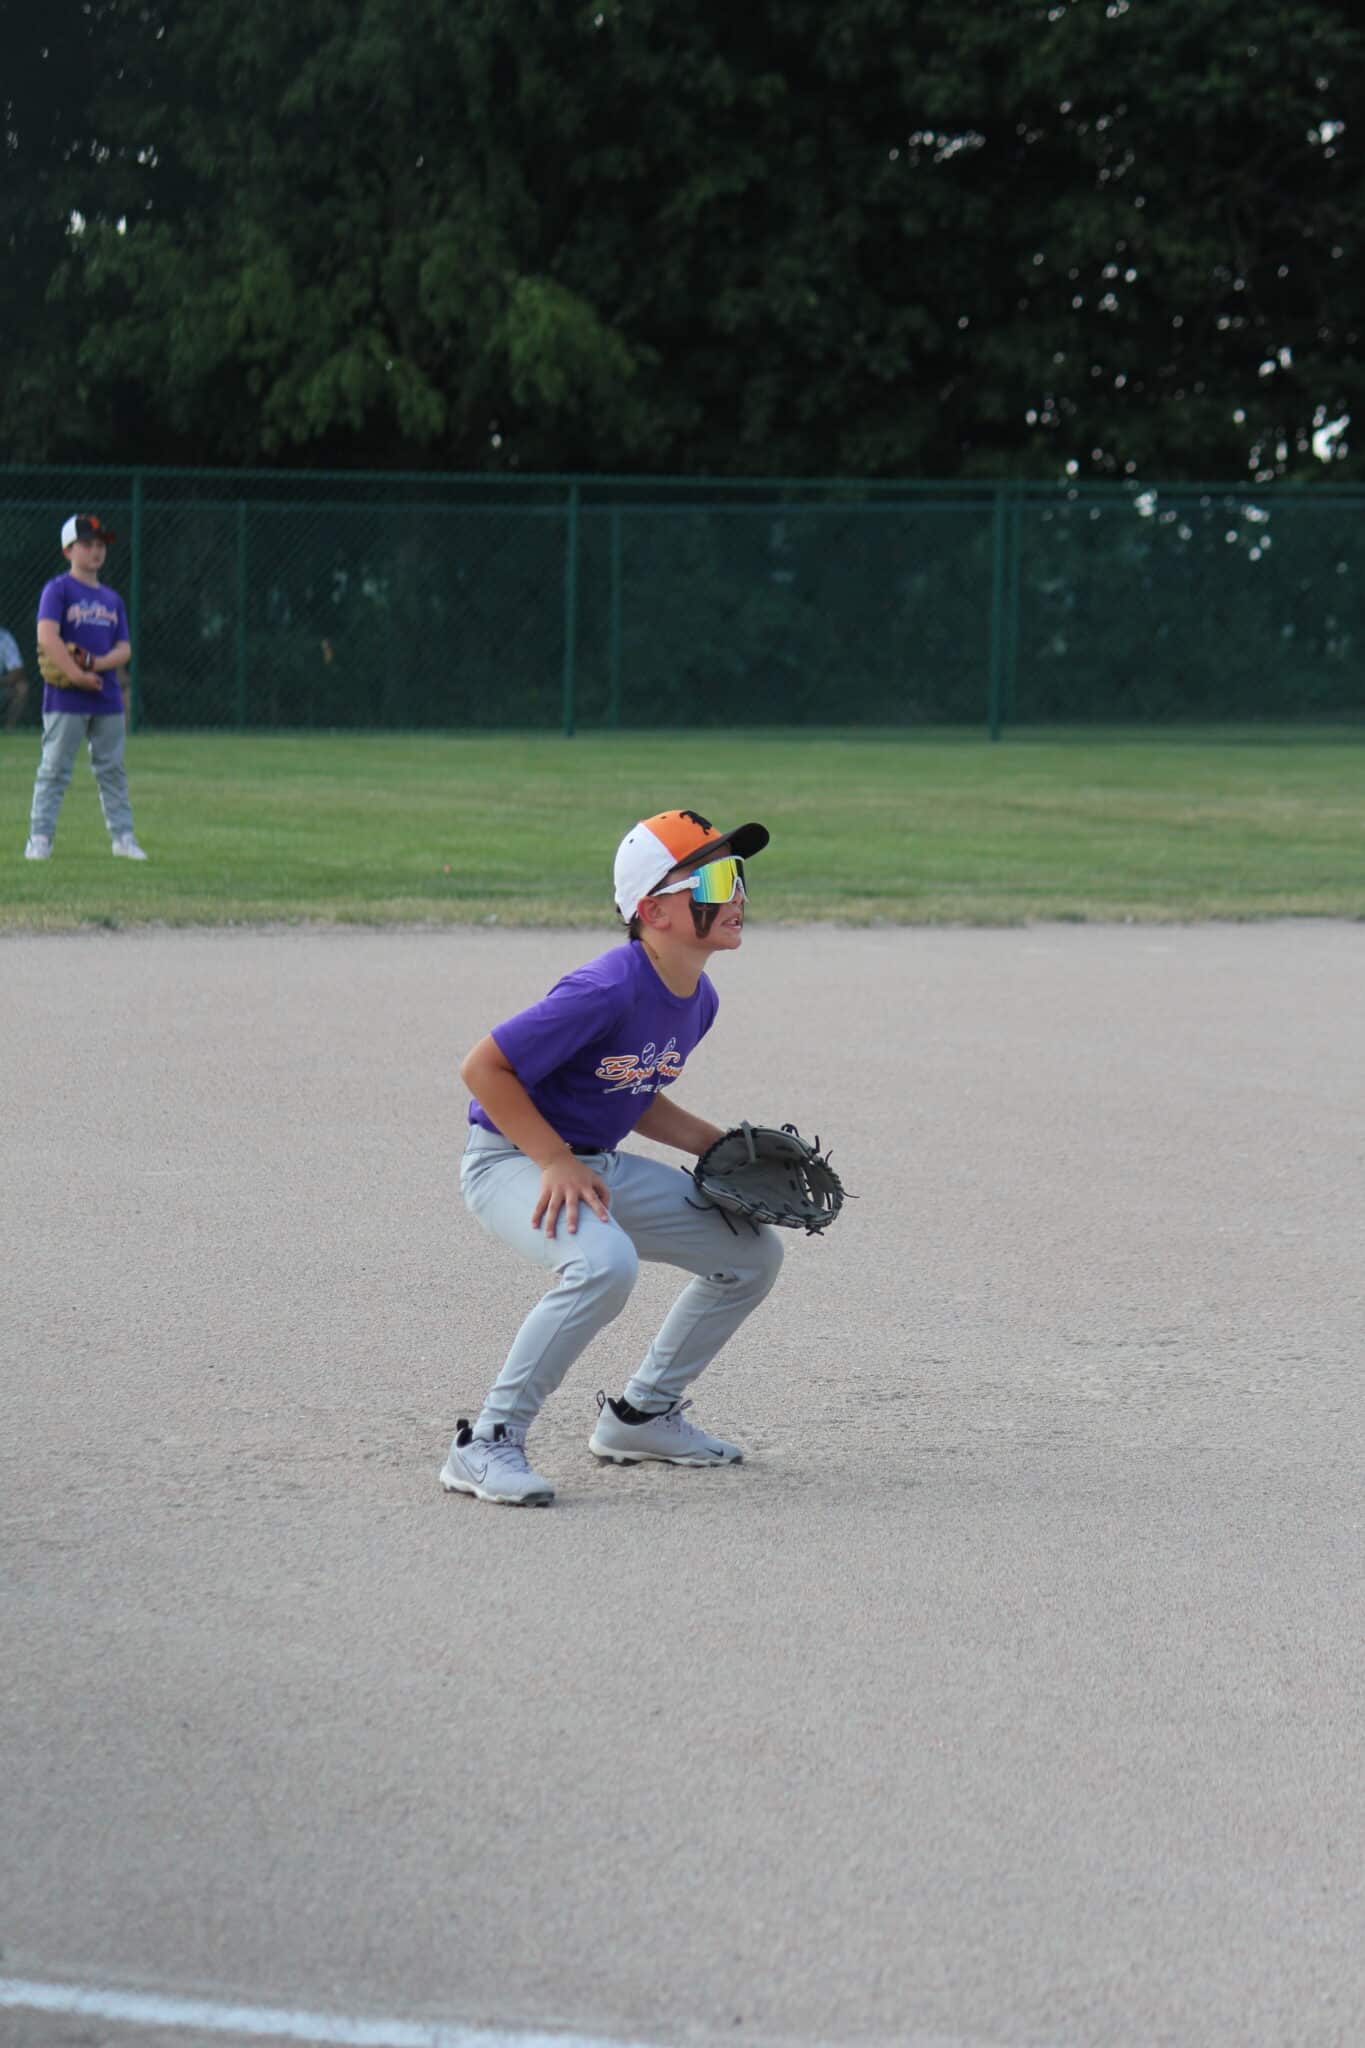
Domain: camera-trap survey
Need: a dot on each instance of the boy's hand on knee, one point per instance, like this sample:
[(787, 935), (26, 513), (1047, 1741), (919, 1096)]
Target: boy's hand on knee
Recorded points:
[(564, 1183)]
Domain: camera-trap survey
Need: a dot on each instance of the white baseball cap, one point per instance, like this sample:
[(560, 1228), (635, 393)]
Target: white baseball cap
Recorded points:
[(86, 526), (651, 849)]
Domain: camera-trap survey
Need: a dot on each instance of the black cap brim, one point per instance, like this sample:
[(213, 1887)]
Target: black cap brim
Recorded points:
[(744, 840)]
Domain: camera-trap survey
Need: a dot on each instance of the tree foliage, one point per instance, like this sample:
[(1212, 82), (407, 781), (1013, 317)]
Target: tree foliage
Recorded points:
[(863, 237)]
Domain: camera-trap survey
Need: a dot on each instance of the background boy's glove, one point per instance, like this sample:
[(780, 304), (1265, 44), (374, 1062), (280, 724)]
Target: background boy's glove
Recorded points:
[(49, 671), (770, 1176)]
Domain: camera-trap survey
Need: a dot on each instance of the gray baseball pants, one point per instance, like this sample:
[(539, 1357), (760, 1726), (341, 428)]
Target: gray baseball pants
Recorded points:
[(63, 732), (651, 1219)]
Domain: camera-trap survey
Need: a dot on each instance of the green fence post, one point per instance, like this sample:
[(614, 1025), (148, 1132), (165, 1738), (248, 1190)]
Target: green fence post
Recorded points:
[(570, 607), (1010, 669), (999, 578), (242, 588), (614, 627), (139, 663)]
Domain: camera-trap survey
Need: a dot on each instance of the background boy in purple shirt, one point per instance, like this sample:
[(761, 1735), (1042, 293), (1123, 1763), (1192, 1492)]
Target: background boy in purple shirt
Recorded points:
[(556, 1088), (82, 700)]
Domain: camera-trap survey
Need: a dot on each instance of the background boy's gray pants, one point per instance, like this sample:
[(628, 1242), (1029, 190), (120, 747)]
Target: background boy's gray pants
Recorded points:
[(652, 1219), (63, 732)]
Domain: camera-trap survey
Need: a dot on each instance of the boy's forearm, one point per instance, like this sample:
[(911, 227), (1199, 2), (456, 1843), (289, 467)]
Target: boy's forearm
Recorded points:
[(668, 1123), (117, 657), (51, 644)]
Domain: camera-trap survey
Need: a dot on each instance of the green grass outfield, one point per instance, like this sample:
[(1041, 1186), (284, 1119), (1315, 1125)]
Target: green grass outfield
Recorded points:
[(890, 826)]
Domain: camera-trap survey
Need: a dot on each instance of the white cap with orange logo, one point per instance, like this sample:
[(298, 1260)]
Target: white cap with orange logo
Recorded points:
[(654, 847), (86, 526)]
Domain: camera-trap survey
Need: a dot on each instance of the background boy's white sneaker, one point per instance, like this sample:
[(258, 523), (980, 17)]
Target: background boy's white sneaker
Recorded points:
[(128, 847), (38, 848), (494, 1468), (622, 1437)]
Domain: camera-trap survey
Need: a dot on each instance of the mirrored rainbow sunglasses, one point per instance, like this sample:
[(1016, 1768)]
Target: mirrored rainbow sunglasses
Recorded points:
[(718, 882)]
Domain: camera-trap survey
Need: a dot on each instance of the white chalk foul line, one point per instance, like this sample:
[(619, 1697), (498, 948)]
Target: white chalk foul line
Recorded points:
[(270, 2023)]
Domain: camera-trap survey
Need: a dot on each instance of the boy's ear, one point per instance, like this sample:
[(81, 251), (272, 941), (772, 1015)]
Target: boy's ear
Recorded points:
[(652, 910)]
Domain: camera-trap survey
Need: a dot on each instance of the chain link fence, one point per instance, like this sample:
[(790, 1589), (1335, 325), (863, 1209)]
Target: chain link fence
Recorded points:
[(292, 600)]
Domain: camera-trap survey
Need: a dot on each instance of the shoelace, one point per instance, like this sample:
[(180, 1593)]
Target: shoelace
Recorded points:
[(674, 1419), (510, 1450)]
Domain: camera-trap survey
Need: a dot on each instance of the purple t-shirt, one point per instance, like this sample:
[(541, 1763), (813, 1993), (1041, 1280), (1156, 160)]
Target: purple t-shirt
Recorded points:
[(93, 616), (594, 1053)]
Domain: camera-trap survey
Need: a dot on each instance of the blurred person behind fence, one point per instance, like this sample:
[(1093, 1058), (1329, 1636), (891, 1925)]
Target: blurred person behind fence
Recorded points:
[(13, 681)]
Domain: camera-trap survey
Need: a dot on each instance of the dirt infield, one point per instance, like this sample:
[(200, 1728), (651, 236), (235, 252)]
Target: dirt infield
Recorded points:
[(1009, 1693)]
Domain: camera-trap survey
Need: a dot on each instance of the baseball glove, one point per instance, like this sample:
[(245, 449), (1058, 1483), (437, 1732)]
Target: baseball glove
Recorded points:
[(769, 1176), (49, 671)]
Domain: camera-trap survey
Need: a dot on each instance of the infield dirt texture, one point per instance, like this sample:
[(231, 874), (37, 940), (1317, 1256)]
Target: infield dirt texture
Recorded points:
[(1009, 1693)]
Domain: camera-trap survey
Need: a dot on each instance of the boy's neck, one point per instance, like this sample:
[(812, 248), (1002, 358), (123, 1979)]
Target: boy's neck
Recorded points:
[(84, 576), (678, 966)]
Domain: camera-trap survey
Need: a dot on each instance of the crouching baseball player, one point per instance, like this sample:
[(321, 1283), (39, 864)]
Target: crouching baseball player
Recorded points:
[(556, 1090)]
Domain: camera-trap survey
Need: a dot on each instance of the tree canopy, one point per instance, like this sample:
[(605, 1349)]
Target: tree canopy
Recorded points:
[(1101, 238)]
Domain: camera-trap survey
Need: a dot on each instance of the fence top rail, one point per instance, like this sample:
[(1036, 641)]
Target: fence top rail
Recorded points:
[(942, 488)]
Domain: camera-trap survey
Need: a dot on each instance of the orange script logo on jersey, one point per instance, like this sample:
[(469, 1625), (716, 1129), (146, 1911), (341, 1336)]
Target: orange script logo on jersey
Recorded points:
[(641, 1072)]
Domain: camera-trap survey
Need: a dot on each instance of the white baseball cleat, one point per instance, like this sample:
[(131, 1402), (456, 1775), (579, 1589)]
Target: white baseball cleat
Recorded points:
[(128, 848), (38, 848), (622, 1437), (494, 1468)]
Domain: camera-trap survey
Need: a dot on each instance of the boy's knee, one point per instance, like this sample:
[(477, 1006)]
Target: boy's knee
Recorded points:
[(760, 1263), (769, 1249), (607, 1268)]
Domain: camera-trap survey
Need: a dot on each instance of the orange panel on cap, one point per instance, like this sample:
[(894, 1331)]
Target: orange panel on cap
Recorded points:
[(680, 833)]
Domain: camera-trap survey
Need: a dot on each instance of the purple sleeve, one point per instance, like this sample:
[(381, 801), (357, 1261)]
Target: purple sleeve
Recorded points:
[(50, 603), (121, 630), (577, 1010)]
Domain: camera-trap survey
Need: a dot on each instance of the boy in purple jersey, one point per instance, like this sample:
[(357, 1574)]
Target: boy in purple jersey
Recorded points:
[(556, 1089), (82, 693)]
